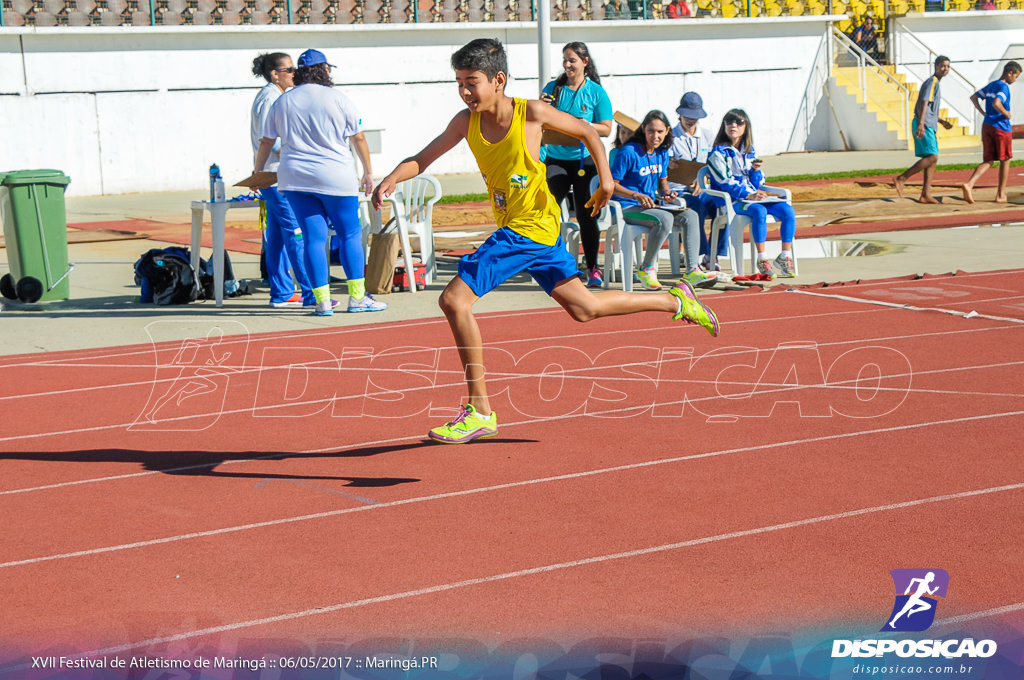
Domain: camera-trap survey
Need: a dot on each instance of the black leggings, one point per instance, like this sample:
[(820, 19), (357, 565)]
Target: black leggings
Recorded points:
[(563, 176)]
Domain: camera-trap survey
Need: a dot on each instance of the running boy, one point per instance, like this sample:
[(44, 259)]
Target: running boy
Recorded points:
[(504, 135), (996, 131)]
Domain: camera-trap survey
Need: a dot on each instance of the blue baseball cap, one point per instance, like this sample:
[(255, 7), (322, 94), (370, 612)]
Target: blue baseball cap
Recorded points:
[(312, 58)]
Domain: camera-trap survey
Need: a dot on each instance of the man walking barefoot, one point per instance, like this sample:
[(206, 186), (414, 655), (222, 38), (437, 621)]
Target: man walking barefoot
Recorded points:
[(926, 145)]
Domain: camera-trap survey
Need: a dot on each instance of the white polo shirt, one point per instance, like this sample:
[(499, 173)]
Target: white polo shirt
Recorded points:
[(314, 123)]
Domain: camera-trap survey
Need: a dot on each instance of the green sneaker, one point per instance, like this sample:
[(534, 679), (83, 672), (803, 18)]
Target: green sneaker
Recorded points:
[(649, 278), (701, 279), (466, 427), (692, 310)]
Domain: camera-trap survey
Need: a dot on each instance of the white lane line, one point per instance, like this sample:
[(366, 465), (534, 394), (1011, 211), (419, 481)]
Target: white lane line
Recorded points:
[(964, 618), (559, 566), (718, 299), (313, 365), (411, 438), (485, 489), (908, 307)]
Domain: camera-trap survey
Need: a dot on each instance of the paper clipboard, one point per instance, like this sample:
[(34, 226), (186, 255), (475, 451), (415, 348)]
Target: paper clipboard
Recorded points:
[(258, 180), (685, 172), (556, 138), (626, 122)]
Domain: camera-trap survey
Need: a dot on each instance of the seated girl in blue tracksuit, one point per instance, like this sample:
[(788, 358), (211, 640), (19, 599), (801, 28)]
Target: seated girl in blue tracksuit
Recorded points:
[(736, 170)]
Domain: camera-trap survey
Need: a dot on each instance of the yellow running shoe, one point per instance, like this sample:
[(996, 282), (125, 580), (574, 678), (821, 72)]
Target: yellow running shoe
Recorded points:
[(692, 310), (649, 278), (466, 427)]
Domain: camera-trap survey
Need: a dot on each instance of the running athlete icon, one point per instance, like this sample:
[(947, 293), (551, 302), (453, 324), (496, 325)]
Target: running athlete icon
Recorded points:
[(916, 603), (201, 370)]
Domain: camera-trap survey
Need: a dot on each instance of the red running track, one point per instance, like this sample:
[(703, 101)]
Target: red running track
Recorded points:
[(646, 480)]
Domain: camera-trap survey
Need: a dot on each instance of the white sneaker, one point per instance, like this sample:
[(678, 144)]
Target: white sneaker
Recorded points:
[(324, 308), (366, 304), (785, 267)]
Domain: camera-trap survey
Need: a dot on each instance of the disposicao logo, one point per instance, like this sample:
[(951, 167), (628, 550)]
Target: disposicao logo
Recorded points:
[(914, 611)]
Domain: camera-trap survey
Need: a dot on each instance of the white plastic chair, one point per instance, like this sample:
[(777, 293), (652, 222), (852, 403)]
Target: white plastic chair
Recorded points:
[(570, 232), (418, 198), (401, 223), (738, 224)]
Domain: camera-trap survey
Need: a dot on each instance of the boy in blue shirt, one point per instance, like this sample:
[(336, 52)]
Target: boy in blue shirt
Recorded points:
[(996, 132)]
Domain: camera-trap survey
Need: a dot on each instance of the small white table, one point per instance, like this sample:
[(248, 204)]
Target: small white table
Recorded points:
[(218, 211)]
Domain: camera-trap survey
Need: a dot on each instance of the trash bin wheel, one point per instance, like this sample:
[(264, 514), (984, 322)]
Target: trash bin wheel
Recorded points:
[(7, 287), (29, 289)]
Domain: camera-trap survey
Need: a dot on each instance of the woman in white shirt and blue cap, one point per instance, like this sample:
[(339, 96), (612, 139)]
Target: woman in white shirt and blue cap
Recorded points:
[(318, 175)]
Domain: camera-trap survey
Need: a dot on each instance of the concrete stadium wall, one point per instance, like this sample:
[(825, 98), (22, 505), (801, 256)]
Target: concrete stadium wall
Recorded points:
[(148, 109), (125, 109)]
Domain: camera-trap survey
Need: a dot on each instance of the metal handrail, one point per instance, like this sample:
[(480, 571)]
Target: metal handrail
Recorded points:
[(932, 54), (865, 57), (863, 60), (964, 112), (816, 81)]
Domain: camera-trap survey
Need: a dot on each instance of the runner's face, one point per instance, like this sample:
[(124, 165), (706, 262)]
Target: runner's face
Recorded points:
[(476, 90), (942, 70)]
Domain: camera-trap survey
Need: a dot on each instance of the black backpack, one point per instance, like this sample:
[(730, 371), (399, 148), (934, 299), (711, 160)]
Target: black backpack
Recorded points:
[(166, 277)]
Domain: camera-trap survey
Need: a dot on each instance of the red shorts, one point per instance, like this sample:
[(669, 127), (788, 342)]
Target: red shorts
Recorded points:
[(996, 144)]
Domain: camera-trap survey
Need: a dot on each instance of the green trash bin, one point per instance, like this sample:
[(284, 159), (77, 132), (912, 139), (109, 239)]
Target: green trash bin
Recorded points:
[(35, 233)]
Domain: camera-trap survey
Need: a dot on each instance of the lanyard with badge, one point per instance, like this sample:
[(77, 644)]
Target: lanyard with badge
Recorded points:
[(550, 99)]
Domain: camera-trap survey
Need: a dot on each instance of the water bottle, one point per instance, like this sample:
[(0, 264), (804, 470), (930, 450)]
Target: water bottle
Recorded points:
[(214, 176), (219, 195)]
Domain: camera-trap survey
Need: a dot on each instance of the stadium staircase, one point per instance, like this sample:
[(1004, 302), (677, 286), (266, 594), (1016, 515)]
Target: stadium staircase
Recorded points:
[(886, 99)]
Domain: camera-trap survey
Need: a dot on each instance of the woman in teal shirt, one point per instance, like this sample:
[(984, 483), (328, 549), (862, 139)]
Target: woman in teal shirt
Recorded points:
[(578, 92)]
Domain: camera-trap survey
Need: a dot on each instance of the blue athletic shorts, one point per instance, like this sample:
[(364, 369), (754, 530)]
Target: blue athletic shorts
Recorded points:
[(927, 145), (506, 253)]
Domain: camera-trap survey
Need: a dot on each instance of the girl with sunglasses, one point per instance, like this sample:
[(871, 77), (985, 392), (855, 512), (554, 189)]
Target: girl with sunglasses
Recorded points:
[(736, 170), (640, 172)]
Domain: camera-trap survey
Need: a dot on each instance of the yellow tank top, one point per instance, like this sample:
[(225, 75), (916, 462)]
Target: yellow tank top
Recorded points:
[(516, 184)]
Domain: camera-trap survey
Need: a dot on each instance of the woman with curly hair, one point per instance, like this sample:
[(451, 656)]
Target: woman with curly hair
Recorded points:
[(318, 175)]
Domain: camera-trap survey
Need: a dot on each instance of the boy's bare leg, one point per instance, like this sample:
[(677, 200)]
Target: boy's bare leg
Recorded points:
[(584, 305), (968, 187), (457, 302), (901, 179), (929, 172), (1004, 179)]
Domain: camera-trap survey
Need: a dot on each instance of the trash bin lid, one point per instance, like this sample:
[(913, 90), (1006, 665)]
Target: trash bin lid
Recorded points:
[(24, 177)]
